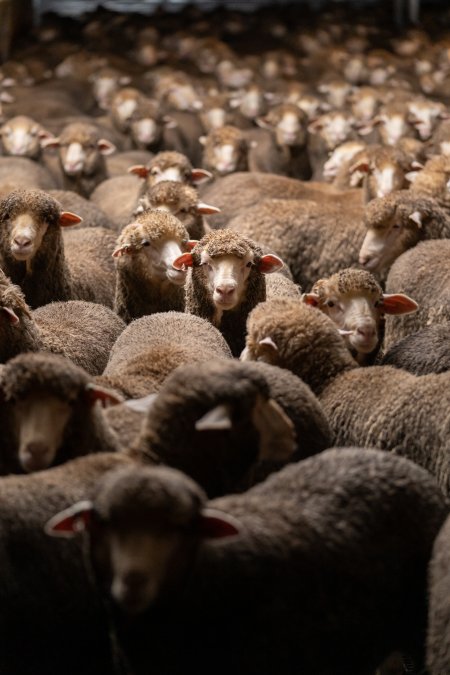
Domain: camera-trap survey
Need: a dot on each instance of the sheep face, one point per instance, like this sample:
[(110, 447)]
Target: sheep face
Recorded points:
[(225, 150), (385, 170), (288, 123), (424, 115), (26, 235), (80, 149), (343, 153), (226, 277), (21, 137), (123, 106), (334, 128), (389, 238)]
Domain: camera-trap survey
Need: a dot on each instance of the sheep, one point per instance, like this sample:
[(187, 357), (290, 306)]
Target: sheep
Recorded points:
[(21, 136), (314, 240), (325, 134), (65, 630), (238, 191), (377, 406), (117, 197), (170, 165), (47, 267), (150, 348), (81, 153), (438, 650), (82, 331), (226, 281), (421, 353), (423, 272), (355, 302), (52, 414), (345, 568), (396, 223), (338, 158), (146, 281), (119, 163), (22, 173), (182, 201), (225, 150), (432, 180), (255, 417), (91, 214)]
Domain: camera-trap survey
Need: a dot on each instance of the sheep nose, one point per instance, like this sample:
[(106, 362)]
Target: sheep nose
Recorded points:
[(226, 290), (21, 241), (364, 259), (366, 331), (134, 580), (36, 448)]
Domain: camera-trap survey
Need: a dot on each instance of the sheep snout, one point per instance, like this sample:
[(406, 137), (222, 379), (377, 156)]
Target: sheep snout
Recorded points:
[(73, 162), (26, 237)]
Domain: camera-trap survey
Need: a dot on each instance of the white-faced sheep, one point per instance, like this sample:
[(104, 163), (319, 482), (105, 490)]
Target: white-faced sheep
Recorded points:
[(48, 267), (433, 180), (346, 570), (82, 331), (150, 348), (52, 414), (170, 165), (228, 424), (377, 406), (354, 300), (423, 272), (21, 136), (146, 280), (226, 281), (225, 150), (421, 353)]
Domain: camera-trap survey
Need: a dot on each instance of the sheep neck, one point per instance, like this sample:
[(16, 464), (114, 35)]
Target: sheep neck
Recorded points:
[(21, 338)]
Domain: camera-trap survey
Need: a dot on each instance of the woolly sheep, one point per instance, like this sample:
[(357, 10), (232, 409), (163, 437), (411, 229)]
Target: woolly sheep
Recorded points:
[(432, 180), (150, 348), (22, 173), (146, 280), (254, 417), (377, 406), (117, 197), (225, 150), (82, 331), (91, 214), (424, 273), (421, 353), (169, 165), (355, 302), (345, 568), (226, 281), (52, 414), (438, 648), (34, 254)]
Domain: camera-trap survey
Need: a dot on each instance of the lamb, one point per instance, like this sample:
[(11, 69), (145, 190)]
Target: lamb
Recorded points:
[(146, 280), (225, 150), (81, 152), (226, 281), (438, 649), (149, 349), (311, 533), (237, 192), (51, 413), (355, 302), (314, 240), (182, 201), (398, 222), (423, 272), (47, 267), (377, 406), (421, 353), (256, 418), (82, 331)]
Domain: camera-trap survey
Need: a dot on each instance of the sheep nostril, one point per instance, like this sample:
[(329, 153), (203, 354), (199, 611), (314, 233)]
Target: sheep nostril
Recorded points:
[(36, 448), (225, 291), (22, 241), (366, 332)]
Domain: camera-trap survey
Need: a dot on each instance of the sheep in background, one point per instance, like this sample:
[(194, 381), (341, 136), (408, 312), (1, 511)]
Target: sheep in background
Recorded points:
[(340, 157), (346, 570), (377, 406), (52, 415), (84, 332), (226, 281), (21, 136), (146, 280), (398, 222), (229, 424), (325, 134), (423, 272), (421, 353), (91, 215), (46, 265), (432, 180), (150, 348), (438, 638), (182, 201), (81, 153), (225, 150), (23, 173), (355, 302), (169, 165)]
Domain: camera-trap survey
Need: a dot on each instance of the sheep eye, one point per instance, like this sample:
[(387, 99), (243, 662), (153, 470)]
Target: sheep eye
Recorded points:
[(154, 172), (330, 303), (396, 226), (249, 264)]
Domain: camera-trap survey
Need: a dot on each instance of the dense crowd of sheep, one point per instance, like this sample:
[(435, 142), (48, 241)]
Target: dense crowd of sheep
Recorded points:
[(225, 344)]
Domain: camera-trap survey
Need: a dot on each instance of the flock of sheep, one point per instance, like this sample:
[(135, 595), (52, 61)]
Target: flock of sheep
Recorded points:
[(225, 345)]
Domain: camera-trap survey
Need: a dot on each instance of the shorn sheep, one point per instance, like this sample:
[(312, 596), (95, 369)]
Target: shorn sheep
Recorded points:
[(228, 424), (52, 414), (345, 568), (46, 265), (377, 406), (82, 331), (226, 281)]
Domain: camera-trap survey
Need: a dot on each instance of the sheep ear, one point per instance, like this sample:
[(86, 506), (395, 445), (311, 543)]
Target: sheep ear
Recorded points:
[(277, 440), (11, 316), (206, 209), (411, 176), (215, 524), (199, 176), (52, 142), (185, 260), (141, 405), (362, 166), (139, 170), (398, 303), (263, 123), (310, 299), (71, 521), (169, 122), (416, 217), (269, 343), (67, 218), (106, 147), (202, 140), (270, 263), (43, 134), (191, 244), (417, 166), (215, 419), (107, 397)]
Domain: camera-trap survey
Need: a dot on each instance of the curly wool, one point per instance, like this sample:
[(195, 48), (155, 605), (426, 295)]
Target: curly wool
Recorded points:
[(226, 242), (43, 206), (348, 281), (11, 296), (170, 158)]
